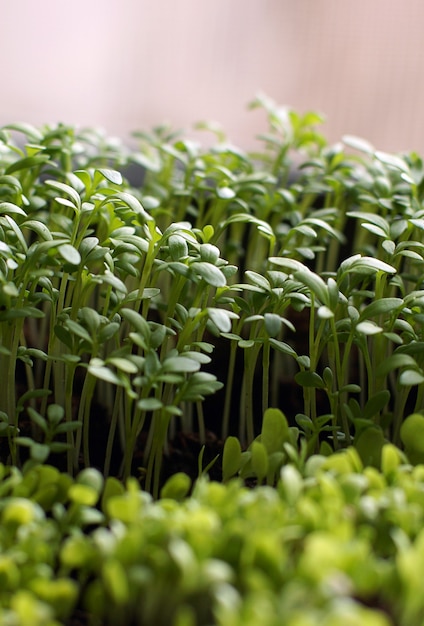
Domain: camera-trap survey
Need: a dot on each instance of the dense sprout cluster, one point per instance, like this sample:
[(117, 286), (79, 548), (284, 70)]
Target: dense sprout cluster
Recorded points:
[(275, 299)]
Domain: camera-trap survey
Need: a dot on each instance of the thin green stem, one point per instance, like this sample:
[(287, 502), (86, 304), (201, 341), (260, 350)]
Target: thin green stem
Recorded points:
[(229, 389), (247, 430), (117, 405), (265, 374), (84, 415), (201, 422), (70, 373), (401, 398)]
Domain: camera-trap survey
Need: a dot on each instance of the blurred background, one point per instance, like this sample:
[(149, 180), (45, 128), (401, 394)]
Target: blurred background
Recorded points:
[(130, 64)]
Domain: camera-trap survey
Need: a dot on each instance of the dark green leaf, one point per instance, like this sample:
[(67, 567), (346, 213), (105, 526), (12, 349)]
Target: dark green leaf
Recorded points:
[(378, 307), (78, 330), (282, 346), (108, 331), (38, 419), (393, 362), (39, 452), (64, 336), (309, 379), (375, 404), (67, 427), (55, 413)]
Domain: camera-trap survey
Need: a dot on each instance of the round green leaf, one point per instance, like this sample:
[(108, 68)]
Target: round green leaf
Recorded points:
[(225, 193), (412, 432), (83, 494), (259, 460), (125, 365), (275, 430), (309, 379), (410, 378), (273, 323), (180, 364), (325, 313), (98, 370), (70, 254), (112, 176), (231, 458), (393, 362), (368, 328), (149, 404), (177, 247), (176, 487), (210, 273), (221, 318)]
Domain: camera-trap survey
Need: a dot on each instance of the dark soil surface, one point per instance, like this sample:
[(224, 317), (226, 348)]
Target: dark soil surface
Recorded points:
[(183, 456)]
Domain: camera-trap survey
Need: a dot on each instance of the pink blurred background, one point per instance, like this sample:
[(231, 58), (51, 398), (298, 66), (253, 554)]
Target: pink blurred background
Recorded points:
[(130, 64)]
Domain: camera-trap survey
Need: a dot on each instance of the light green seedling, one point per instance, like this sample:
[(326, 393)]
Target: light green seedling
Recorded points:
[(412, 436)]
